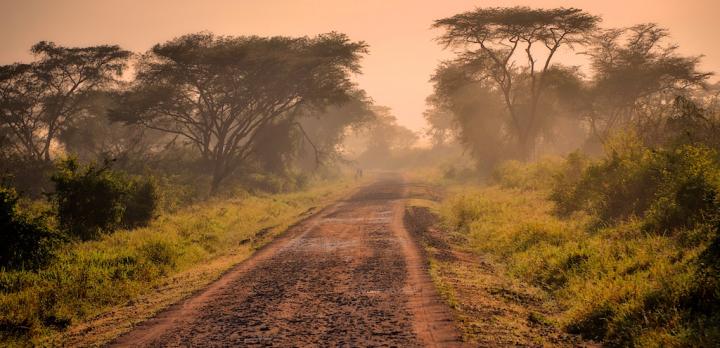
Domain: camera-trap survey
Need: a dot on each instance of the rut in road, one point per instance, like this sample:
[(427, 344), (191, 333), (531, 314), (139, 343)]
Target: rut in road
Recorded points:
[(350, 276)]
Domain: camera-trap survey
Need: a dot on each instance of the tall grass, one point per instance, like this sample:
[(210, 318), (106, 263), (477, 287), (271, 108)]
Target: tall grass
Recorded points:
[(616, 283), (88, 278)]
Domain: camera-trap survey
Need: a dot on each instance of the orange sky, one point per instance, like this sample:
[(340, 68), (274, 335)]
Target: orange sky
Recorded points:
[(402, 52)]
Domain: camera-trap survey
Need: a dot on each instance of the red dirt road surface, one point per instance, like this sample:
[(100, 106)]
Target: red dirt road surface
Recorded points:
[(349, 276)]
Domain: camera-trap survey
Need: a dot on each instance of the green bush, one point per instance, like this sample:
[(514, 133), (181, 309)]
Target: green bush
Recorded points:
[(92, 200), (29, 177), (703, 297), (565, 193), (526, 176), (25, 243), (142, 203), (274, 183), (159, 252), (688, 192), (668, 189)]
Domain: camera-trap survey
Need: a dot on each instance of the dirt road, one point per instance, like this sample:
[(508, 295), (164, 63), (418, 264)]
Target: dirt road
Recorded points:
[(350, 276)]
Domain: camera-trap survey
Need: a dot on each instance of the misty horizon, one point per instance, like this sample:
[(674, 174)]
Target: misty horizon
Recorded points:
[(403, 51)]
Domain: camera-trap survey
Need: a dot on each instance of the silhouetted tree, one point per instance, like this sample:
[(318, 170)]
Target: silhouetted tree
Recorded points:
[(442, 128), (637, 75), (384, 139), (37, 100), (475, 113), (325, 132), (497, 40), (217, 92)]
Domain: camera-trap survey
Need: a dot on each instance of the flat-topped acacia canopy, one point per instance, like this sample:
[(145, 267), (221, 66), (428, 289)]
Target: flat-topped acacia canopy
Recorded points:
[(218, 91)]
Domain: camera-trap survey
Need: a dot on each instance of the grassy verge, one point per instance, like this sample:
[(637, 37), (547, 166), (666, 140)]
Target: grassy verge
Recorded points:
[(95, 290), (616, 284), (491, 308)]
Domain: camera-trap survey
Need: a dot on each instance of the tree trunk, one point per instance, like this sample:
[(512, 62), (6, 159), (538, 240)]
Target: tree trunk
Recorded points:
[(215, 185), (220, 172), (527, 146)]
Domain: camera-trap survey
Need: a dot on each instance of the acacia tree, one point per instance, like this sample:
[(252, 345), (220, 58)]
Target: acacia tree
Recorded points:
[(217, 92), (637, 75), (39, 99), (382, 139), (477, 114), (496, 41), (324, 133), (474, 113)]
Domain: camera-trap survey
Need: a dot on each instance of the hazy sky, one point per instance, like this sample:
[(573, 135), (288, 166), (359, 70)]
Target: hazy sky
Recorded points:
[(402, 56)]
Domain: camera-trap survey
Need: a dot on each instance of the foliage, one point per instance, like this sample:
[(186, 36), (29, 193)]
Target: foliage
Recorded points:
[(273, 183), (91, 136), (565, 194), (477, 115), (636, 71), (141, 203), (533, 176), (670, 189), (39, 99), (89, 200), (218, 92), (25, 242), (93, 200), (473, 110), (497, 104), (384, 140), (496, 40), (615, 284), (179, 252), (28, 176)]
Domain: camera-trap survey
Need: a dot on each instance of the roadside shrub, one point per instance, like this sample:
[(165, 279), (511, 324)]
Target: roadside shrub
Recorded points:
[(29, 177), (564, 193), (669, 189), (621, 185), (274, 183), (93, 200), (90, 199), (595, 324), (688, 192), (269, 183), (142, 201), (25, 243), (159, 252), (459, 172), (526, 176), (462, 210), (638, 266), (302, 181)]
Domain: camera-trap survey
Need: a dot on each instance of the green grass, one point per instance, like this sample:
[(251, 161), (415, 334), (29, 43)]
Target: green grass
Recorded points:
[(615, 284), (91, 279)]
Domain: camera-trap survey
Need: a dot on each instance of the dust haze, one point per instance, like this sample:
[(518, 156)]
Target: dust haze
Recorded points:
[(256, 174)]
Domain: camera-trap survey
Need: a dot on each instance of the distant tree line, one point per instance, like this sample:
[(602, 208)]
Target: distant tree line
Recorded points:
[(505, 96), (198, 106), (639, 127), (112, 137)]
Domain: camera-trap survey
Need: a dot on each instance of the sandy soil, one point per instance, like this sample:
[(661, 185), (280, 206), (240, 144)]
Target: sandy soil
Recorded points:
[(349, 276)]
